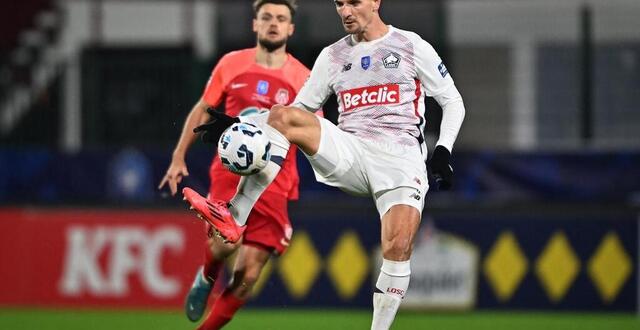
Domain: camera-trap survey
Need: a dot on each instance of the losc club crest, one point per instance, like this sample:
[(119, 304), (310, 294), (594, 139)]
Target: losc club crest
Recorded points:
[(391, 61), (282, 96)]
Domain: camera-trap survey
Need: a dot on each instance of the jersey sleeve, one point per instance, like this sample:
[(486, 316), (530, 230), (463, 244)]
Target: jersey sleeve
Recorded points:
[(430, 69), (316, 89), (215, 89)]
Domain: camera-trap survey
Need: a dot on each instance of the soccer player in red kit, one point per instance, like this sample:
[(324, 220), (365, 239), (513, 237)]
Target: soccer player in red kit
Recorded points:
[(248, 81)]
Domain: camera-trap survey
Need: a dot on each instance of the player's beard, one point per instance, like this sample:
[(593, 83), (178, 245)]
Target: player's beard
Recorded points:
[(271, 46)]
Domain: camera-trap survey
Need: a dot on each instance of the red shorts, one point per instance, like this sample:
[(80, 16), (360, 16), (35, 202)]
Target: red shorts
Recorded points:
[(268, 225)]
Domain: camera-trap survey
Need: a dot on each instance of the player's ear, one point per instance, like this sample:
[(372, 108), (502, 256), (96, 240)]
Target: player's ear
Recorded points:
[(255, 25), (292, 28), (376, 5)]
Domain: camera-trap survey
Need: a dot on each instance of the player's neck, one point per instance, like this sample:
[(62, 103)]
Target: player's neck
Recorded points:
[(374, 30), (271, 60)]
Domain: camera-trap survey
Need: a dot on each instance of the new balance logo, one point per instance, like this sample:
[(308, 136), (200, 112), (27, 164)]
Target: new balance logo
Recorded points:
[(370, 95), (346, 67), (415, 196)]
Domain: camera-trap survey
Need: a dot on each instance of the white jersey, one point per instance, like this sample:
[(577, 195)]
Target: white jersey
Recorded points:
[(380, 85)]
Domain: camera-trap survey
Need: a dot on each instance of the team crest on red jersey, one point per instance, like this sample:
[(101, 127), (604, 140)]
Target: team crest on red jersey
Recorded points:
[(282, 96)]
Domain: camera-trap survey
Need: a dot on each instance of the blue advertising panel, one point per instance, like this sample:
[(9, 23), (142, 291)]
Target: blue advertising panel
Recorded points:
[(546, 261)]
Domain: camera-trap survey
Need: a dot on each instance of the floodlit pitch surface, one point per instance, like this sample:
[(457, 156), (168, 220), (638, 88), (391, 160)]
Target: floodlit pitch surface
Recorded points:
[(304, 319)]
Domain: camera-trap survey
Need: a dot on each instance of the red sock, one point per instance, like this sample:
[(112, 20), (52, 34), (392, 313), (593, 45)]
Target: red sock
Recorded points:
[(222, 312)]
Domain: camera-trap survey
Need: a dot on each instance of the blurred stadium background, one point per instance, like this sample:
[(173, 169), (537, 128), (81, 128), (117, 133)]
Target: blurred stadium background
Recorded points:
[(540, 231)]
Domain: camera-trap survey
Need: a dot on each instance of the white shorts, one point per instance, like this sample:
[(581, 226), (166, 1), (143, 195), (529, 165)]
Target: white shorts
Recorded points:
[(391, 174)]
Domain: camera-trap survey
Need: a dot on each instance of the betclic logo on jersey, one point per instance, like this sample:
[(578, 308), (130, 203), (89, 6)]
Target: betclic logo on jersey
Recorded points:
[(370, 95)]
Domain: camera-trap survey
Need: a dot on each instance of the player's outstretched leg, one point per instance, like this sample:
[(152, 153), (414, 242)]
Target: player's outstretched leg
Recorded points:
[(196, 301), (216, 213), (228, 219)]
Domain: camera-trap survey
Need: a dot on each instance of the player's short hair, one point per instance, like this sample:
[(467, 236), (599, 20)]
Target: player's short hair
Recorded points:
[(291, 4)]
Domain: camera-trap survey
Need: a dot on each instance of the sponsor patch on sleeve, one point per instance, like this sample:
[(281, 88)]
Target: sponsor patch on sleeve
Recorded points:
[(443, 70)]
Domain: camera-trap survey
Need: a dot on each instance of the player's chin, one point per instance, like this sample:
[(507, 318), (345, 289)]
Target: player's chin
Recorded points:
[(277, 39), (350, 28), (272, 45)]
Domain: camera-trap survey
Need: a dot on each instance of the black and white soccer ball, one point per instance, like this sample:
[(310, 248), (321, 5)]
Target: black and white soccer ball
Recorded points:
[(244, 149)]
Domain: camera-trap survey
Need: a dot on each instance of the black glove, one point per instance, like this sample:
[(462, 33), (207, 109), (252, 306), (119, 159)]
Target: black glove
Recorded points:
[(212, 130), (441, 170)]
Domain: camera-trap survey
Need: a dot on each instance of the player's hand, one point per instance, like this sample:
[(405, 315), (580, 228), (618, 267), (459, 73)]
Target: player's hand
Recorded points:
[(210, 132), (177, 170), (441, 169)]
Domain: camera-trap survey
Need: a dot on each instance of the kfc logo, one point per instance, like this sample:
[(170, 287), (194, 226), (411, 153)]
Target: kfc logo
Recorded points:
[(371, 95), (103, 261)]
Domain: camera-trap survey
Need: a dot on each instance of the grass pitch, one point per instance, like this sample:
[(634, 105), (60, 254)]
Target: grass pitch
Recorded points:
[(303, 319)]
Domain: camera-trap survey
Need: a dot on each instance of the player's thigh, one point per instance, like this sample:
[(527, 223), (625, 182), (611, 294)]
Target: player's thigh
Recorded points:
[(338, 161), (397, 175)]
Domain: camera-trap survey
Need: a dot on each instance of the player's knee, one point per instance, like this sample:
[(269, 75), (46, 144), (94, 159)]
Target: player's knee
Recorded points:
[(284, 119), (243, 282), (250, 278), (245, 276), (279, 118), (396, 248)]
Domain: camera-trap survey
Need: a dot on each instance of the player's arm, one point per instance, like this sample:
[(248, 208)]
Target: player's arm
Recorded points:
[(311, 97), (197, 116), (178, 167), (214, 93), (316, 89), (453, 112), (433, 73)]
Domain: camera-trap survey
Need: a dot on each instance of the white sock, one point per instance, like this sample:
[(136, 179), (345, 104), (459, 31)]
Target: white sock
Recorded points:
[(251, 187), (392, 284)]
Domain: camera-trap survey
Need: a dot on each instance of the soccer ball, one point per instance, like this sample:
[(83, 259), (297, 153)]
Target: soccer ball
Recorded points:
[(244, 149)]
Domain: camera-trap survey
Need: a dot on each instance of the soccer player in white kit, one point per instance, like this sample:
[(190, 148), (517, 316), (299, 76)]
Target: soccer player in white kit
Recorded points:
[(380, 75)]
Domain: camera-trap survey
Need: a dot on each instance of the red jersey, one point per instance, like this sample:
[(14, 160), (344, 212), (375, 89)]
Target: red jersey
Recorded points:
[(244, 87)]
